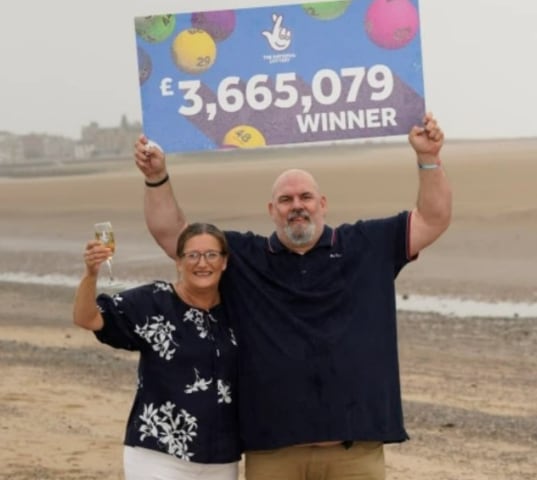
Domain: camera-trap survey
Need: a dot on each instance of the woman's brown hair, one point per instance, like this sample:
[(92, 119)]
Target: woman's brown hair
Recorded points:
[(195, 229)]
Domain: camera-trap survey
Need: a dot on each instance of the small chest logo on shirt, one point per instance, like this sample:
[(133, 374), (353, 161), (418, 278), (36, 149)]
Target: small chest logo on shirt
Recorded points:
[(336, 255)]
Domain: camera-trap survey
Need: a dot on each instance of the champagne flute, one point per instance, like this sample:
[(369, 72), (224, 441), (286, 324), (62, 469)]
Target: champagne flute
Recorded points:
[(105, 234)]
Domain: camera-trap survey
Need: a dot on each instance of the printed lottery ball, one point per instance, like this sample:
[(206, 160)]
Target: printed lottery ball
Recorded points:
[(155, 28), (145, 65), (391, 23), (194, 50), (244, 136), (326, 10), (218, 25)]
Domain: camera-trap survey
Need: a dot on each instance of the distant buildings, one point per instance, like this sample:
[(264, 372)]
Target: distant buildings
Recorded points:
[(11, 148), (95, 142)]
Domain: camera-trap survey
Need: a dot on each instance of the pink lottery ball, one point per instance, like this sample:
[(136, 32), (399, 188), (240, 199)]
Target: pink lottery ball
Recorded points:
[(391, 23)]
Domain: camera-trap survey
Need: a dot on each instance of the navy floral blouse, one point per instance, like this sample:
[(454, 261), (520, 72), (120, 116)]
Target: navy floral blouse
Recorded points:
[(185, 401)]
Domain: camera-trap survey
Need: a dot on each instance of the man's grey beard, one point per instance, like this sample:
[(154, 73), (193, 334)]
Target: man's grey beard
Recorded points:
[(300, 236)]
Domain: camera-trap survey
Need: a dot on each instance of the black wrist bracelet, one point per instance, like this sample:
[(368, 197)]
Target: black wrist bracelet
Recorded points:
[(159, 183)]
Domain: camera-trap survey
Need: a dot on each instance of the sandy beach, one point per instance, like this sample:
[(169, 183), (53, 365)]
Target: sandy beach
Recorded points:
[(469, 384)]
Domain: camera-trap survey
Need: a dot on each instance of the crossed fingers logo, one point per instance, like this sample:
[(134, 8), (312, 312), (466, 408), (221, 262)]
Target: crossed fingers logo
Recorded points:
[(279, 38)]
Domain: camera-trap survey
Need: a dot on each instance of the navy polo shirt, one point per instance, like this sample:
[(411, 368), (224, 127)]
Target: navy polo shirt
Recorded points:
[(318, 354)]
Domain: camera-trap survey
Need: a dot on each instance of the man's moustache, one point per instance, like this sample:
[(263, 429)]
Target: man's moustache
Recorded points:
[(300, 214)]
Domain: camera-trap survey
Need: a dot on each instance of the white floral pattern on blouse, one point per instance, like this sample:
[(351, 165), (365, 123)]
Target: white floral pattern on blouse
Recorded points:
[(173, 430), (158, 332)]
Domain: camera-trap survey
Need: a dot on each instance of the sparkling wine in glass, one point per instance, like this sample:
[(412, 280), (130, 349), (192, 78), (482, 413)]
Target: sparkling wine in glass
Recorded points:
[(105, 234)]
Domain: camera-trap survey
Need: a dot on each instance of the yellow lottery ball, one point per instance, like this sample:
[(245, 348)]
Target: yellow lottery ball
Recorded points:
[(244, 136), (194, 50)]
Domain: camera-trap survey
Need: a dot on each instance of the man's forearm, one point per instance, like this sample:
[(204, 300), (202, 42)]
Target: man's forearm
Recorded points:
[(164, 218), (432, 214), (434, 198)]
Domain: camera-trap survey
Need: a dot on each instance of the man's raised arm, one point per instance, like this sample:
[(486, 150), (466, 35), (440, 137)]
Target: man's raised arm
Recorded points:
[(432, 214), (163, 216)]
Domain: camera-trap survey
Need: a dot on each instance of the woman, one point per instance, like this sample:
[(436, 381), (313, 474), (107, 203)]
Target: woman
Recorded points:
[(183, 422)]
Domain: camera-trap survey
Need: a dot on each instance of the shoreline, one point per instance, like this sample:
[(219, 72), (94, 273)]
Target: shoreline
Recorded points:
[(445, 306), (364, 150)]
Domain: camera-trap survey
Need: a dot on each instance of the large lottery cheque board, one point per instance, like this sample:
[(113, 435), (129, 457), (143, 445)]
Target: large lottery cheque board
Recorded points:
[(264, 76)]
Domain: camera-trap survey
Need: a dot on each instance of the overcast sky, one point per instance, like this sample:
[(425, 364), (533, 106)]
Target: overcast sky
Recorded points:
[(66, 63)]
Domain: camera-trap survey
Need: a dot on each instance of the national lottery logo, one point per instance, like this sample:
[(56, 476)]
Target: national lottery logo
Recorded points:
[(279, 39)]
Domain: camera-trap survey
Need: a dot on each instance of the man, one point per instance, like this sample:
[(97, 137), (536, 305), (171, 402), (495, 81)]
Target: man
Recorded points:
[(319, 377)]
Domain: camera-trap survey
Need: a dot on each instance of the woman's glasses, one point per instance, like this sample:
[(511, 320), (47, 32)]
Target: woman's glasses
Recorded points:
[(194, 257)]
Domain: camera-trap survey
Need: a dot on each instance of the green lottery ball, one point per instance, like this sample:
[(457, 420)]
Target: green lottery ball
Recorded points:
[(326, 10), (155, 28)]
